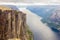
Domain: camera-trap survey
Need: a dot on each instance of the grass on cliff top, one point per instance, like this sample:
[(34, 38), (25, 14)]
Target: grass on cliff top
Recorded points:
[(28, 30), (30, 33)]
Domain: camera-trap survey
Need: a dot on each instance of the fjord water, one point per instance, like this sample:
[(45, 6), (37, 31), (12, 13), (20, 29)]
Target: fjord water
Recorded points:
[(40, 30)]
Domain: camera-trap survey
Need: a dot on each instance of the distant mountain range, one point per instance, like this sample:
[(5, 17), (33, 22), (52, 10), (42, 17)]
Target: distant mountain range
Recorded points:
[(44, 10)]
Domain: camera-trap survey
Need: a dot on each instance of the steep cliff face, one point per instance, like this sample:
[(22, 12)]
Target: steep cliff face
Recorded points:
[(13, 25)]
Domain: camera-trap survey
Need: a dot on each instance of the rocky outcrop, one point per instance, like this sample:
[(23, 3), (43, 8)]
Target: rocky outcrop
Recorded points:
[(55, 19), (13, 25)]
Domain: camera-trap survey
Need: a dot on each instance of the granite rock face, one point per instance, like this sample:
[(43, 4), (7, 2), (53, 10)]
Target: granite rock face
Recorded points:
[(12, 25)]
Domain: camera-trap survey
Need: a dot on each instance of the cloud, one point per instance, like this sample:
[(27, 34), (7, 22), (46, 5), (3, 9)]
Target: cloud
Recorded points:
[(39, 29)]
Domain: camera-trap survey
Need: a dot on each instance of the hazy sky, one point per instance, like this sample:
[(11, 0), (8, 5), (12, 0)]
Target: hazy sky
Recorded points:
[(44, 1)]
